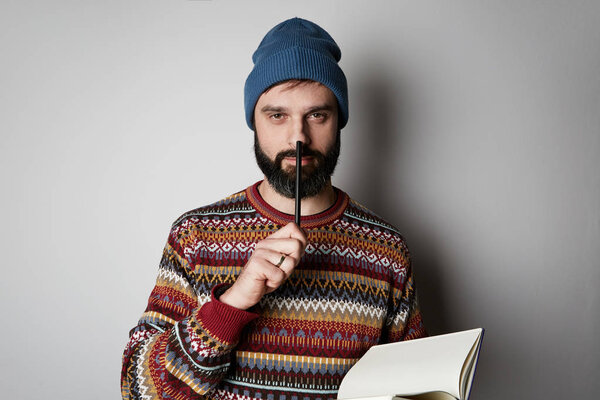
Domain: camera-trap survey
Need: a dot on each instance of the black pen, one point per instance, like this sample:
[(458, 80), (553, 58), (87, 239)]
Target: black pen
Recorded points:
[(298, 179)]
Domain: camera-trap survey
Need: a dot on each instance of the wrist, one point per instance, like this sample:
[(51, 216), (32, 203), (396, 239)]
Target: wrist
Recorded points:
[(230, 298), (221, 320)]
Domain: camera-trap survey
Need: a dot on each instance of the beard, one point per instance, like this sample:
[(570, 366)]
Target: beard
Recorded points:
[(314, 177)]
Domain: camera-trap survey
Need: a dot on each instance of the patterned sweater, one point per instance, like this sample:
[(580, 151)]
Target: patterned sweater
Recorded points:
[(352, 289)]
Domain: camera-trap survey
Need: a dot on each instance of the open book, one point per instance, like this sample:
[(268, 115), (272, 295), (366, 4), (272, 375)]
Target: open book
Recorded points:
[(432, 368)]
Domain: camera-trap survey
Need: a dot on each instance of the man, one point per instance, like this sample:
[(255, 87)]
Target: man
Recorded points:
[(249, 305)]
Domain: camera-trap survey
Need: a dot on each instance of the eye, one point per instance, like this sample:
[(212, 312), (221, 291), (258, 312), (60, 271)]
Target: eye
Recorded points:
[(319, 116), (276, 116)]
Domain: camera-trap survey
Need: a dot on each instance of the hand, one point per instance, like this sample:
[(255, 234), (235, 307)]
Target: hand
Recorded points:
[(261, 274)]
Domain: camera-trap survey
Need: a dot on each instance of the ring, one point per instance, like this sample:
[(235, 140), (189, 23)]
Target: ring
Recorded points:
[(280, 261)]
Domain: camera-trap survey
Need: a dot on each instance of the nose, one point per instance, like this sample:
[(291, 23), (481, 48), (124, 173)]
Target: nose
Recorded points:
[(299, 132)]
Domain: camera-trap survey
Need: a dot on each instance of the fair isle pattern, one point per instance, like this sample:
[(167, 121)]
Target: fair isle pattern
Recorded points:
[(352, 289)]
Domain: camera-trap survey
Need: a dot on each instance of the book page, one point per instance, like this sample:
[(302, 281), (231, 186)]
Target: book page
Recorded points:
[(432, 364)]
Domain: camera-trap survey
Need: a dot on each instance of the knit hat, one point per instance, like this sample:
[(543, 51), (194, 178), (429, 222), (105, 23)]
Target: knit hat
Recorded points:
[(296, 49)]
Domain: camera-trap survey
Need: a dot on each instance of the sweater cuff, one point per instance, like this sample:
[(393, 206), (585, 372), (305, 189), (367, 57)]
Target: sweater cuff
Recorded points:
[(222, 320)]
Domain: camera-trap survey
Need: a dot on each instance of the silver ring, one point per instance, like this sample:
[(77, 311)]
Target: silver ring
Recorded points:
[(280, 261)]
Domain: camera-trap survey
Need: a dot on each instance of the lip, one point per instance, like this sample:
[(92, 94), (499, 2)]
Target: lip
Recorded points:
[(305, 160)]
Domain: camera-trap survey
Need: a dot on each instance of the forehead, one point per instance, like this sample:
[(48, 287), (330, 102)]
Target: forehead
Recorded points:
[(301, 94)]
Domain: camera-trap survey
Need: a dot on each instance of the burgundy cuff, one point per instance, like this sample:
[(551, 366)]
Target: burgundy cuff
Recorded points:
[(221, 320)]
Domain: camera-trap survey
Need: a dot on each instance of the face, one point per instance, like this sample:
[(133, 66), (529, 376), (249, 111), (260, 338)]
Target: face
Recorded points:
[(290, 112)]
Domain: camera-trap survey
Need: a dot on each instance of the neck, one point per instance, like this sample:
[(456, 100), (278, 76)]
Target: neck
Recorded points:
[(310, 205)]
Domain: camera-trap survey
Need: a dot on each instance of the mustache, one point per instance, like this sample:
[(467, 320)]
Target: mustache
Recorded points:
[(306, 152)]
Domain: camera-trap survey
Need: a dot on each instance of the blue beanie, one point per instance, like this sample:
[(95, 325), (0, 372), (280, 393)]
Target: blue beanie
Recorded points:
[(296, 49)]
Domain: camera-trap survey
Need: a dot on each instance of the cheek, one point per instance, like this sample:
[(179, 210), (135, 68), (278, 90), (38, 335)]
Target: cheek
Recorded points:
[(268, 141), (259, 125), (324, 139)]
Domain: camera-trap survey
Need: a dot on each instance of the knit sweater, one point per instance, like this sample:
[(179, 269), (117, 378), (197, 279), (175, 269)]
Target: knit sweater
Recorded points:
[(352, 289)]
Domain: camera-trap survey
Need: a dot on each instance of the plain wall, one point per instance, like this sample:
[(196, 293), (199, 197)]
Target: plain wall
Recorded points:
[(474, 128)]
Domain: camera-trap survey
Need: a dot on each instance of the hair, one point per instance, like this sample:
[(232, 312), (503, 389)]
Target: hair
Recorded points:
[(285, 183)]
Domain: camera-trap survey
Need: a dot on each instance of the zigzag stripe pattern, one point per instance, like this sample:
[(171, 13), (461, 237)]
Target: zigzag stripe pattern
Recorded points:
[(295, 363), (307, 308), (352, 289), (146, 389)]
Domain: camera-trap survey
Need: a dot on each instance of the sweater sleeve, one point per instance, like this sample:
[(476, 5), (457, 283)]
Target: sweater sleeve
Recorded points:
[(179, 348), (404, 320)]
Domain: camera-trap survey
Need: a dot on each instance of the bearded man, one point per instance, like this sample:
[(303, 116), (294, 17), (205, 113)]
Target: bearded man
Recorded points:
[(247, 304)]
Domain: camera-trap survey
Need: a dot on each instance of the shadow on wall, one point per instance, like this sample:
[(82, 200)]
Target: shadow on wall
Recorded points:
[(379, 182)]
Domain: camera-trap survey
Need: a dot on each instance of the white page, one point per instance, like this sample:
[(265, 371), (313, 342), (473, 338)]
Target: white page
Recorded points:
[(412, 367)]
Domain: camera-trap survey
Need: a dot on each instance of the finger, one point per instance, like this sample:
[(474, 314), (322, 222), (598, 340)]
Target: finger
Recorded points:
[(273, 276), (289, 262), (288, 265), (277, 259), (284, 246), (281, 260), (262, 270), (291, 230)]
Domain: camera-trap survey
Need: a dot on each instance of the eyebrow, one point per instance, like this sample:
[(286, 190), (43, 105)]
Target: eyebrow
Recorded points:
[(270, 108), (321, 107)]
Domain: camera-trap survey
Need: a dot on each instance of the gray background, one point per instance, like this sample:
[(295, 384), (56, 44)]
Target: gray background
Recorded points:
[(474, 128)]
